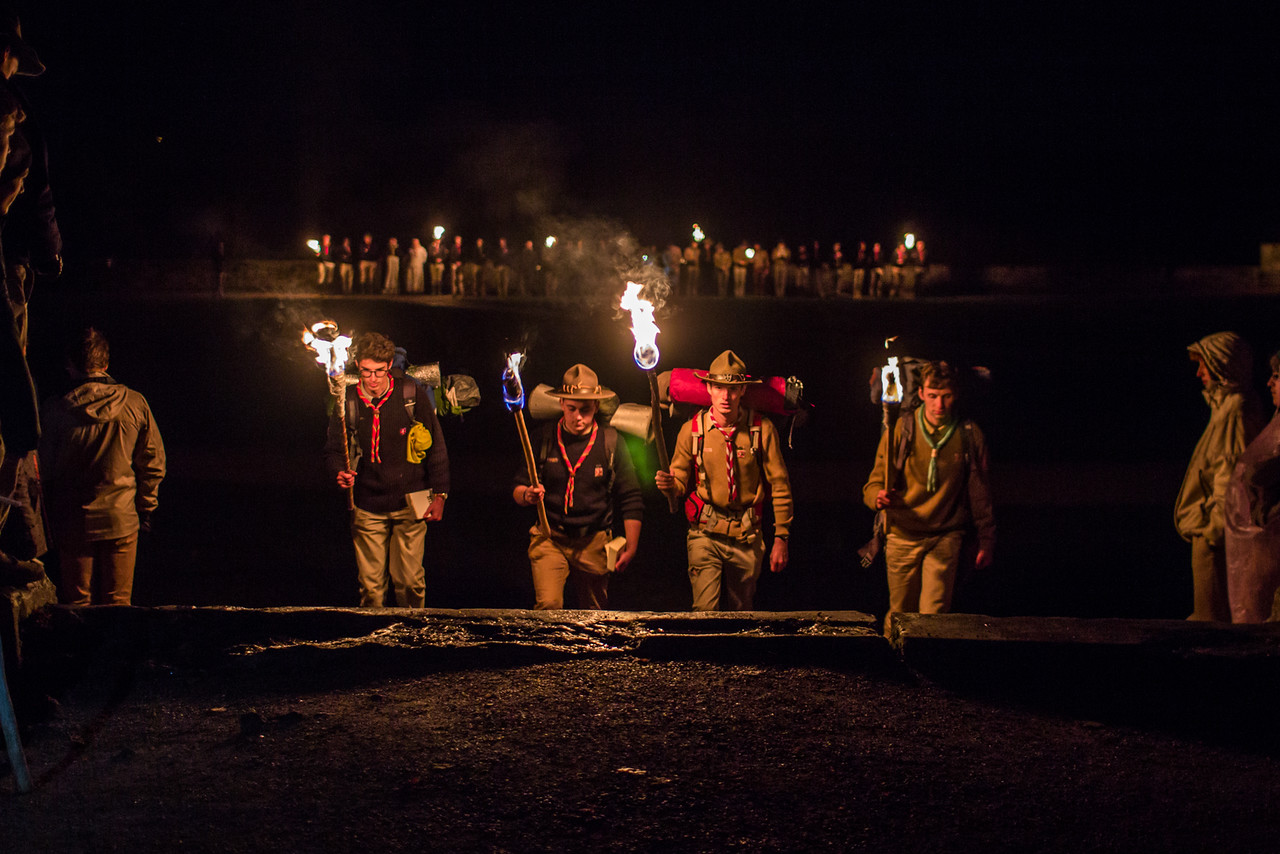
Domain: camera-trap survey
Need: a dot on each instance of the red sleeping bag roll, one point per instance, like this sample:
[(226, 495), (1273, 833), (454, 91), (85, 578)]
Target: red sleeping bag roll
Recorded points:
[(769, 395)]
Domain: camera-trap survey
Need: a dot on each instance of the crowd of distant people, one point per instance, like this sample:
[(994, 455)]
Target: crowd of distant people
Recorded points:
[(475, 268)]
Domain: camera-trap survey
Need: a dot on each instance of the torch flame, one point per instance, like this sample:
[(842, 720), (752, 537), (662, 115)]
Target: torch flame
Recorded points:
[(698, 234), (438, 232), (550, 241), (891, 382), (330, 347), (512, 388), (314, 246), (642, 326)]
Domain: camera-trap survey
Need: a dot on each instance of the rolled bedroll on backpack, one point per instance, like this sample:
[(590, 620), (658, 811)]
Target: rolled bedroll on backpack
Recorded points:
[(774, 395)]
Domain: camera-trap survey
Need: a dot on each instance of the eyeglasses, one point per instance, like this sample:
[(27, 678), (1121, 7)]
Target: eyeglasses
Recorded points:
[(376, 372)]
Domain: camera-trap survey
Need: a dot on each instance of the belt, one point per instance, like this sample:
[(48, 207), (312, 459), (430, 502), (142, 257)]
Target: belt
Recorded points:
[(739, 526)]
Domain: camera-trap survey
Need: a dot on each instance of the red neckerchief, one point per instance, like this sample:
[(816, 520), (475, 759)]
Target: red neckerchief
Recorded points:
[(573, 469), (374, 455), (730, 452)]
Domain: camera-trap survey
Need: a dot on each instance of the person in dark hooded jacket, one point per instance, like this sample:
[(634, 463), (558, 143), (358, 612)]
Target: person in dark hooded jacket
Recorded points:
[(1224, 365), (101, 463)]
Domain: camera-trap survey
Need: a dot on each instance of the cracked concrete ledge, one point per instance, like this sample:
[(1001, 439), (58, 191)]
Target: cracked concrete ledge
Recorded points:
[(276, 637), (1082, 666)]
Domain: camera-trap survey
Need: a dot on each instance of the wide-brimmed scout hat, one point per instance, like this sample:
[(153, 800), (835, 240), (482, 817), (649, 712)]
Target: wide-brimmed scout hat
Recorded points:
[(727, 369), (581, 383)]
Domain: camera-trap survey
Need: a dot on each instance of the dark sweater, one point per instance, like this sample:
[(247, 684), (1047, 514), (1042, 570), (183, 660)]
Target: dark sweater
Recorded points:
[(593, 502), (381, 487)]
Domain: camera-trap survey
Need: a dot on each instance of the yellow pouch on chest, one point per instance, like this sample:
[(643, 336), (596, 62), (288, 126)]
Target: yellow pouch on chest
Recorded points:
[(419, 442)]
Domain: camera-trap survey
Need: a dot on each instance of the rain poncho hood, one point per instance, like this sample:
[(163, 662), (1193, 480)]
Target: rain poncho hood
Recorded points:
[(101, 399), (1227, 356)]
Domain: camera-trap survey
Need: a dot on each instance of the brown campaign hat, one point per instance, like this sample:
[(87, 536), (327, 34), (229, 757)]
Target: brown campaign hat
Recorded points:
[(727, 369), (581, 383)]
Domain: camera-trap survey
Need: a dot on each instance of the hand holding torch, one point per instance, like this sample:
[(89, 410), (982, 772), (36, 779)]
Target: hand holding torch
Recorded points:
[(646, 357), (513, 397), (331, 354), (890, 399)]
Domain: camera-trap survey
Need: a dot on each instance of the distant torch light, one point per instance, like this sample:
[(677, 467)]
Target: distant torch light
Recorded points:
[(550, 241), (751, 253), (314, 246), (438, 232), (909, 240), (698, 234)]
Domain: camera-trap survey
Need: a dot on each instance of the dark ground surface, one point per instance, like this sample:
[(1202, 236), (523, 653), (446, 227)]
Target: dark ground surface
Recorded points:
[(311, 750)]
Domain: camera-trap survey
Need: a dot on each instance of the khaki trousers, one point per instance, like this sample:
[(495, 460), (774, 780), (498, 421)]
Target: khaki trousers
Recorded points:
[(922, 571), (390, 544), (1209, 581), (579, 561), (723, 567), (98, 572)]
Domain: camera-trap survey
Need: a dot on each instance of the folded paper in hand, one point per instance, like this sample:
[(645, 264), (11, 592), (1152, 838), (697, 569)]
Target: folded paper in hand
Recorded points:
[(419, 502), (612, 549)]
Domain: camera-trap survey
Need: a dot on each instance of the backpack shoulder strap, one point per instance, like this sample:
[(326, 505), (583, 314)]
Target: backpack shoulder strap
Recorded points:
[(610, 448), (352, 403), (409, 390), (544, 448), (697, 430), (610, 443)]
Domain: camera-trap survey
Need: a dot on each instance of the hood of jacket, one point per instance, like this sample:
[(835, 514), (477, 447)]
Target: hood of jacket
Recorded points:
[(1227, 356), (97, 399)]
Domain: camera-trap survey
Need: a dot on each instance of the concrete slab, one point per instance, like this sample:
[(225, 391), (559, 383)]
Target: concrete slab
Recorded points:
[(1142, 670), (366, 643)]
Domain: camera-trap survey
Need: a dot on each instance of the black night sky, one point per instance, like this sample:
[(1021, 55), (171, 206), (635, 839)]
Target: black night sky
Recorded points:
[(1106, 133)]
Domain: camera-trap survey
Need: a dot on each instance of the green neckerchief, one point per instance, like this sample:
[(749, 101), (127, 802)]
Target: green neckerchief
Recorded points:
[(936, 445)]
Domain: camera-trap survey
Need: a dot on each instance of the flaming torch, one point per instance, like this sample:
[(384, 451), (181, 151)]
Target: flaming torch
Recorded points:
[(646, 356), (331, 354), (890, 399), (513, 397)]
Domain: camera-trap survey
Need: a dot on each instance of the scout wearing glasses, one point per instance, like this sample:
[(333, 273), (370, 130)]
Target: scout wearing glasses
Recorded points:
[(396, 448)]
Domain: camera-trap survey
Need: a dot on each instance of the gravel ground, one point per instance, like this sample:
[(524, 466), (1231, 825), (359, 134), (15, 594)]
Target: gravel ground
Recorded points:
[(608, 754)]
